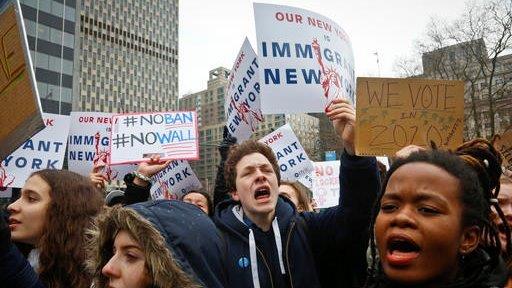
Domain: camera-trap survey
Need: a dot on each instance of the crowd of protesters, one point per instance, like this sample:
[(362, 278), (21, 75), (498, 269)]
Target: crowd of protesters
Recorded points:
[(435, 219)]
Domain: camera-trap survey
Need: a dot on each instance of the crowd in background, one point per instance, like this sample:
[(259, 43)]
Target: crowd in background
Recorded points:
[(435, 219)]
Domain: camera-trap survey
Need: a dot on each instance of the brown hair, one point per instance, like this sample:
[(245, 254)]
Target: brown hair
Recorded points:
[(242, 150), (74, 201), (304, 200), (160, 263)]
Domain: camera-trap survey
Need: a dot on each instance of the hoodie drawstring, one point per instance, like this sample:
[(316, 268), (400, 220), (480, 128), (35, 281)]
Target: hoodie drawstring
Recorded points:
[(239, 214)]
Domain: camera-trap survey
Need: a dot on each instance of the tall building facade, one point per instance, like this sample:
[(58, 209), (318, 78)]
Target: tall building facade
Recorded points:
[(127, 56), (50, 27), (209, 105), (465, 61)]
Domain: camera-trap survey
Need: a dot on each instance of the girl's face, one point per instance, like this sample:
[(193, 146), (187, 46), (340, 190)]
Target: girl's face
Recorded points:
[(197, 199), (127, 267), (290, 193), (418, 229), (28, 213)]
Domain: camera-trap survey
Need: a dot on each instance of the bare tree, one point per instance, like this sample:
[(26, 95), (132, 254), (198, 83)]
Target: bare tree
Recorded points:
[(469, 49)]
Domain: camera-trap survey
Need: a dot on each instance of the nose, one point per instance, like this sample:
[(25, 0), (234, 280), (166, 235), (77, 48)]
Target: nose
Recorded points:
[(260, 175), (14, 207), (110, 269), (404, 218)]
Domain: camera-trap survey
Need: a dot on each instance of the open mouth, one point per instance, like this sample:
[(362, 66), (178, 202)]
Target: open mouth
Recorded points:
[(262, 193), (401, 251)]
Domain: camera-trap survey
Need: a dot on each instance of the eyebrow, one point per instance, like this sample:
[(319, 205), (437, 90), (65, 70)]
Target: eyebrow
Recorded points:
[(418, 198)]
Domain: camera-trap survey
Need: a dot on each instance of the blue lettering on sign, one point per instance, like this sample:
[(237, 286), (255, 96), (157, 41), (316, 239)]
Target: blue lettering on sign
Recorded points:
[(85, 140), (81, 155), (35, 163), (308, 75)]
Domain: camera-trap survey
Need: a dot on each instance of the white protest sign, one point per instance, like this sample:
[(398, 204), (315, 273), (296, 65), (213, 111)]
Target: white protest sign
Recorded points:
[(242, 104), (172, 135), (293, 161), (383, 160), (305, 60), (326, 183), (88, 145), (174, 181), (45, 150)]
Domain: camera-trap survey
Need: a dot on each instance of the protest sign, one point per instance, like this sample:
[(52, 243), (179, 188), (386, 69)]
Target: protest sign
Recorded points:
[(88, 145), (20, 112), (242, 104), (135, 137), (503, 143), (45, 150), (305, 60), (394, 113), (293, 161), (174, 181), (326, 183)]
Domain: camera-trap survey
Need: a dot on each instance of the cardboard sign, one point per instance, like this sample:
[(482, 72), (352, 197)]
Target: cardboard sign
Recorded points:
[(293, 161), (174, 181), (394, 113), (503, 143), (305, 59), (45, 150), (88, 145), (135, 137), (20, 111), (326, 183), (242, 106)]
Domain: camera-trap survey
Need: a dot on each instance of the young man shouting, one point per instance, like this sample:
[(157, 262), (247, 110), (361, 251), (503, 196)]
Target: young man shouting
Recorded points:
[(269, 244)]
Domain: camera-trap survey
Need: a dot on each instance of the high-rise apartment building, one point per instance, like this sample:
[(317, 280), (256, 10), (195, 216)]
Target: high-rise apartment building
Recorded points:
[(126, 56), (469, 61), (209, 105), (50, 27)]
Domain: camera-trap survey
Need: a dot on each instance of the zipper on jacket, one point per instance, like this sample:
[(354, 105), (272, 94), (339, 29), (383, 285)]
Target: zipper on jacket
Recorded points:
[(287, 251), (266, 264)]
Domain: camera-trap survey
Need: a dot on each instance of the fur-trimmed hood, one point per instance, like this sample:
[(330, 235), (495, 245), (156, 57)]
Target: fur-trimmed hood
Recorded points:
[(181, 244)]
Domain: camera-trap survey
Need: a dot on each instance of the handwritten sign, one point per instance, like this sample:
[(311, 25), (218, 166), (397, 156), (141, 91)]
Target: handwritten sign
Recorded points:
[(305, 59), (174, 181), (45, 150), (503, 143), (242, 104), (293, 161), (135, 137), (88, 145), (394, 113), (20, 111), (326, 183)]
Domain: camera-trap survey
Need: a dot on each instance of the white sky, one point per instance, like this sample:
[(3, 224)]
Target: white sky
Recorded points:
[(212, 31)]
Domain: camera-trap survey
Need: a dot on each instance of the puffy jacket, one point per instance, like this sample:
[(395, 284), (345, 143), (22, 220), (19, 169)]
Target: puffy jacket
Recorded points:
[(188, 234), (325, 249)]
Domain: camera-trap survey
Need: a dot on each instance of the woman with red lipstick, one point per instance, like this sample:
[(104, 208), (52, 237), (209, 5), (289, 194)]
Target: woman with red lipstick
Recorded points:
[(432, 224), (51, 215)]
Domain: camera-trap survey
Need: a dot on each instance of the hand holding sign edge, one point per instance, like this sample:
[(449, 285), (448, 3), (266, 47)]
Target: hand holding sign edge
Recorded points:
[(343, 117)]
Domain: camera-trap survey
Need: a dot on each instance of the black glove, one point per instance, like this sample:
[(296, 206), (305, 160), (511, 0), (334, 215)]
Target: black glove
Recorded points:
[(226, 143)]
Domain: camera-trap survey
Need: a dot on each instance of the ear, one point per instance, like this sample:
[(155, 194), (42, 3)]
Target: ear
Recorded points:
[(469, 240), (234, 195)]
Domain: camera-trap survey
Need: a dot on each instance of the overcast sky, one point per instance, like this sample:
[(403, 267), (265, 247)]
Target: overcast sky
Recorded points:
[(212, 31)]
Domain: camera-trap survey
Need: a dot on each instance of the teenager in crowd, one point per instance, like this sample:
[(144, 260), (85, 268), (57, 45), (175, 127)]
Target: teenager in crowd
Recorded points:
[(297, 194), (51, 216), (271, 245), (201, 199), (432, 223), (164, 243)]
